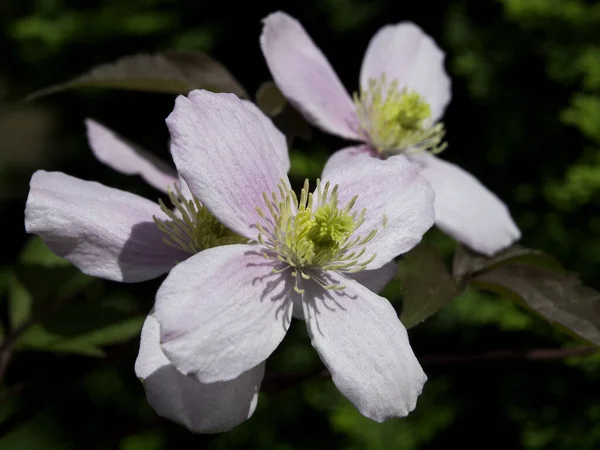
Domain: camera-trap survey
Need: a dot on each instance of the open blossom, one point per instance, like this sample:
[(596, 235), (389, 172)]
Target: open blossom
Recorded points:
[(404, 91), (223, 311), (120, 236), (116, 235), (125, 157)]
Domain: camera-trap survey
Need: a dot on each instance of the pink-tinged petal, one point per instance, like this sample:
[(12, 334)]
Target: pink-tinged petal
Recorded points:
[(398, 203), (200, 407), (226, 157), (365, 347), (376, 280), (305, 77), (223, 312), (347, 155), (104, 232), (122, 156), (405, 53), (465, 209), (276, 137)]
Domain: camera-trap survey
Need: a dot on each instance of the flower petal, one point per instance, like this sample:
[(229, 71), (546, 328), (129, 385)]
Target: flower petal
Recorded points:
[(114, 151), (466, 209), (346, 155), (365, 347), (276, 137), (405, 53), (398, 203), (305, 77), (376, 280), (200, 407), (223, 312), (104, 232), (226, 157), (373, 280)]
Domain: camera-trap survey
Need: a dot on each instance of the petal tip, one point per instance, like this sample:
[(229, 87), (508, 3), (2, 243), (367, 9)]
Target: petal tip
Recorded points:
[(276, 16)]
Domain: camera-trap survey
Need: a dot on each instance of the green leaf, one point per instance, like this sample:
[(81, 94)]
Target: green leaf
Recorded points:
[(171, 72), (427, 286), (20, 303), (306, 164), (435, 412), (559, 298), (83, 328), (42, 432), (36, 252), (467, 262), (66, 306), (145, 440), (40, 279)]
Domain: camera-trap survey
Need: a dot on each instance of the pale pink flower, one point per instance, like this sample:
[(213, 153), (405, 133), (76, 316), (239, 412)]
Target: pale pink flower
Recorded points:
[(404, 91), (113, 234), (223, 311)]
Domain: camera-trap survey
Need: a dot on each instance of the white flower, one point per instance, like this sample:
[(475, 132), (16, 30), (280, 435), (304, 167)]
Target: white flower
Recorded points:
[(404, 91), (223, 311)]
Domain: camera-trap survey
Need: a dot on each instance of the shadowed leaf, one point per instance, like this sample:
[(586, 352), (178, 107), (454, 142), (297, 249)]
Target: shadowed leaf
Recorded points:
[(40, 279), (83, 327), (427, 286), (559, 298), (467, 262), (170, 72), (72, 312)]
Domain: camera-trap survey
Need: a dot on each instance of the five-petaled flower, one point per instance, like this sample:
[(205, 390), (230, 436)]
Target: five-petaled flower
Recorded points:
[(201, 407), (223, 311), (404, 91)]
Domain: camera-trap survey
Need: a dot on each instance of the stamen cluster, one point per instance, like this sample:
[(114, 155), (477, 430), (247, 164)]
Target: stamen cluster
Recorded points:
[(313, 234), (397, 120), (191, 227)]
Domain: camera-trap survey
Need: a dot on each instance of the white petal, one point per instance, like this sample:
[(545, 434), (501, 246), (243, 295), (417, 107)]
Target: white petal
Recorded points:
[(305, 77), (276, 137), (373, 280), (223, 152), (466, 209), (124, 157), (104, 232), (405, 53), (398, 203), (200, 407), (347, 155), (376, 280), (365, 347), (223, 312)]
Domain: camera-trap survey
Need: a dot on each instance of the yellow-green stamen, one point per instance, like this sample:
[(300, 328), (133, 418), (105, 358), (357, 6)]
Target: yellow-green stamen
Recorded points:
[(194, 229), (313, 234), (397, 120)]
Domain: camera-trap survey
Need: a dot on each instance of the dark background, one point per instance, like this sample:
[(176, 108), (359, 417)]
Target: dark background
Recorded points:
[(524, 118)]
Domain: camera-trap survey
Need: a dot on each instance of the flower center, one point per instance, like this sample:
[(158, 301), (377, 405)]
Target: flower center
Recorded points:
[(397, 120), (191, 227), (313, 234)]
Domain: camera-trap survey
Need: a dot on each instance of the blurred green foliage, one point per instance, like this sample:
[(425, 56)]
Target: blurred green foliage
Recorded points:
[(525, 118)]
